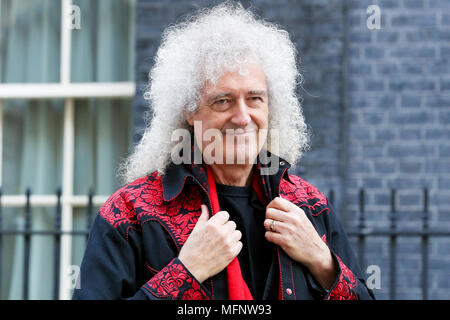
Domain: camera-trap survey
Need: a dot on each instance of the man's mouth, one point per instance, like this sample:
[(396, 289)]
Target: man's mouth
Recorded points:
[(239, 132)]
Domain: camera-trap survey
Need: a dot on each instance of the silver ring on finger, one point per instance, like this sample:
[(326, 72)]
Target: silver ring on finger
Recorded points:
[(272, 226)]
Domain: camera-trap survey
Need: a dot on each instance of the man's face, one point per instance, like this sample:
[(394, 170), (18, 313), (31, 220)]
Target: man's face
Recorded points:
[(238, 107)]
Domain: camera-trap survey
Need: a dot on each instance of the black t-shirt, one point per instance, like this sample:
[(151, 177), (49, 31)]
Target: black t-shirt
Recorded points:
[(248, 213)]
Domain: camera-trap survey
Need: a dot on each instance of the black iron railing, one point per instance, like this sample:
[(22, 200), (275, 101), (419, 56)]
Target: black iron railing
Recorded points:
[(27, 232), (393, 232)]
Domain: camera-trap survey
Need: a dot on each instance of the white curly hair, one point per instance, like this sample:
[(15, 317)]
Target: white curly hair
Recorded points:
[(201, 48)]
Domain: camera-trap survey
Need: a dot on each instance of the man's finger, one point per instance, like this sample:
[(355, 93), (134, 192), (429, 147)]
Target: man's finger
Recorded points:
[(230, 225), (274, 226), (276, 214), (281, 204), (275, 238), (220, 217)]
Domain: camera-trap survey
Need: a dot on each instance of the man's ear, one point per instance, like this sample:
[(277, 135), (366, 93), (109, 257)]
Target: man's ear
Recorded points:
[(189, 116)]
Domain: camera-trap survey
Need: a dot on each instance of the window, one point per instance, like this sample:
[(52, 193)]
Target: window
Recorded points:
[(66, 93)]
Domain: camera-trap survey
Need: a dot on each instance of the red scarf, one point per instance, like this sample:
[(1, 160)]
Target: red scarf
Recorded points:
[(237, 288)]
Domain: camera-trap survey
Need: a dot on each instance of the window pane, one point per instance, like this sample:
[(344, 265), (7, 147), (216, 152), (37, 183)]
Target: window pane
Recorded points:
[(32, 158), (103, 46), (103, 130), (32, 146), (30, 40)]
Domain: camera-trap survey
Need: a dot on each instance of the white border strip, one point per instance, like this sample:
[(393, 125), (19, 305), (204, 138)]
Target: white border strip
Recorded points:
[(68, 152), (1, 143), (66, 40), (67, 192)]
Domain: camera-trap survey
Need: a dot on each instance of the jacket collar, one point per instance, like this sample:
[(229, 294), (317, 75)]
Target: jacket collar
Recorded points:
[(176, 176)]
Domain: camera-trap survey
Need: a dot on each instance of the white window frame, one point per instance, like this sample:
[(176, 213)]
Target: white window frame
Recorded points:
[(67, 91)]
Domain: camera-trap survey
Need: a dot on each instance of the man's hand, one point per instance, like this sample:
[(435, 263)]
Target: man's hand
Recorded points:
[(211, 246), (288, 227)]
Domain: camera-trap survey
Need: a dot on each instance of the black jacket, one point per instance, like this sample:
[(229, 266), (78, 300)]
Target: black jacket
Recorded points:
[(137, 234)]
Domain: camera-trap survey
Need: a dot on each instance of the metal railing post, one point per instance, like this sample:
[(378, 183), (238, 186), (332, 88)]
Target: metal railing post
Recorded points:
[(393, 244), (425, 246), (57, 252), (27, 238), (361, 229), (89, 211)]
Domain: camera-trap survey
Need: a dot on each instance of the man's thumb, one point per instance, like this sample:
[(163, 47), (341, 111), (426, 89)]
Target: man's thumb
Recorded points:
[(205, 214)]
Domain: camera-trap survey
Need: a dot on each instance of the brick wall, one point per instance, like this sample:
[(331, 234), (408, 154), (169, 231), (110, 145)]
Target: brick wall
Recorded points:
[(378, 106), (399, 129)]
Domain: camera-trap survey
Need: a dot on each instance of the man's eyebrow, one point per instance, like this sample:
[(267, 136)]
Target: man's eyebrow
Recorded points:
[(219, 95), (258, 92)]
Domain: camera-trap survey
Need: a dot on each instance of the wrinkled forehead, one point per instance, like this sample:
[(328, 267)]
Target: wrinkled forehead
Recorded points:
[(248, 76)]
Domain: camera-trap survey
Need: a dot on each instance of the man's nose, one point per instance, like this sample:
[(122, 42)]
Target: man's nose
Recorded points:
[(241, 116)]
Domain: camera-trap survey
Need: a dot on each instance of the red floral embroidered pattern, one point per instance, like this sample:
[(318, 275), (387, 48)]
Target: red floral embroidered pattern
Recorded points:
[(143, 200), (119, 208), (304, 195), (179, 216), (344, 289), (194, 293), (174, 280)]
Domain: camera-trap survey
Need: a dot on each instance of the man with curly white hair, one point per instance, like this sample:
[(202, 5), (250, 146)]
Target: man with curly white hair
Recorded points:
[(217, 215)]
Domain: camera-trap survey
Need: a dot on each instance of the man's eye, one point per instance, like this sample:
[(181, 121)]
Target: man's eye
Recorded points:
[(222, 101), (255, 98)]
